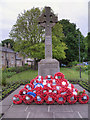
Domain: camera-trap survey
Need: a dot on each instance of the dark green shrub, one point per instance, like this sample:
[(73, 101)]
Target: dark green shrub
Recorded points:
[(3, 80), (83, 68), (74, 63)]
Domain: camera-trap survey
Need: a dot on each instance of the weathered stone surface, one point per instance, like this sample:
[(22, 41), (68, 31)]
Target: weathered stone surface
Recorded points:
[(48, 67)]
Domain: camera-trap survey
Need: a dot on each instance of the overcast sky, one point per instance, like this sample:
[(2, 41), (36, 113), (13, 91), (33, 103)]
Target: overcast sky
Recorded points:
[(74, 10)]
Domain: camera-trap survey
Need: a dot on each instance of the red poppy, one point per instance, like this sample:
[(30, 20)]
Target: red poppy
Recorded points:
[(17, 99), (58, 76), (49, 77), (72, 99), (29, 86), (39, 99), (27, 99), (23, 91), (49, 98), (39, 78), (61, 99), (63, 83), (63, 91), (38, 90), (84, 98), (34, 81)]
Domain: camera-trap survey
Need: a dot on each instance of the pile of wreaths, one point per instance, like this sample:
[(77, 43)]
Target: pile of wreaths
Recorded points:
[(50, 90)]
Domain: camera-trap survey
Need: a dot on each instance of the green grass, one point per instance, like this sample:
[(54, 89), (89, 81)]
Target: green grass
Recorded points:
[(70, 74), (25, 75)]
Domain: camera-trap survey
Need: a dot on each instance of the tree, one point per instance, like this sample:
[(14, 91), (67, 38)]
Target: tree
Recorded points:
[(26, 32), (72, 41), (87, 48), (29, 37), (58, 46), (7, 41)]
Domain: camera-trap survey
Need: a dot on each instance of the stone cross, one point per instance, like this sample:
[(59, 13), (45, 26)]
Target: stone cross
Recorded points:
[(48, 20), (48, 66)]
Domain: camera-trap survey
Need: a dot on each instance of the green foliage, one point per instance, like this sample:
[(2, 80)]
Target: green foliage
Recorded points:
[(3, 80), (72, 41), (74, 63), (58, 46), (8, 74), (83, 68), (38, 50), (26, 32), (7, 41), (16, 69)]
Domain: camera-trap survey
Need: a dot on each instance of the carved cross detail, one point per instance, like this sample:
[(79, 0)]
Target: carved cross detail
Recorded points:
[(48, 20)]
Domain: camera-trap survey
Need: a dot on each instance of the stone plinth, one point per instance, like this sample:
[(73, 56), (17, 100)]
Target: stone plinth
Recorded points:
[(48, 67)]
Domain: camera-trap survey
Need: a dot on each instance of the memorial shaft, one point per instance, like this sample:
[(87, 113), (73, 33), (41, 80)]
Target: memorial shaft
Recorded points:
[(48, 65)]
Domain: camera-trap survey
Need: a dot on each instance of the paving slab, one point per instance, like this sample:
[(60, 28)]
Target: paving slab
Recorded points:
[(60, 108), (15, 114), (11, 110), (40, 115), (79, 107), (66, 115), (35, 108)]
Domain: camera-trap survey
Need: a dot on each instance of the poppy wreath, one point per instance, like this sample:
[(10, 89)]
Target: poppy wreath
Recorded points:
[(49, 98), (63, 92), (69, 91), (29, 86), (34, 81), (58, 76), (55, 90), (63, 83), (45, 90), (80, 93), (17, 99), (39, 78), (23, 91), (58, 88), (27, 99), (72, 99), (38, 90), (44, 82), (75, 91), (49, 84), (49, 77), (39, 99), (84, 98), (61, 99), (70, 86), (54, 82), (55, 93), (38, 85)]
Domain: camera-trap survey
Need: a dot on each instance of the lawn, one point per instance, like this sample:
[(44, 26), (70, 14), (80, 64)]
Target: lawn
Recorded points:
[(70, 74)]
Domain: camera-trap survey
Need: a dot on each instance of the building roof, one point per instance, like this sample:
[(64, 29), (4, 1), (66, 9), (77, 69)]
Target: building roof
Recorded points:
[(4, 49)]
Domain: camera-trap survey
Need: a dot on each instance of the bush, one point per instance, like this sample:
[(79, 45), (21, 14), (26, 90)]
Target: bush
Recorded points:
[(83, 68), (3, 80), (8, 74), (74, 63), (17, 69)]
